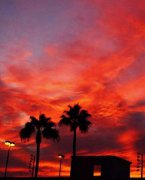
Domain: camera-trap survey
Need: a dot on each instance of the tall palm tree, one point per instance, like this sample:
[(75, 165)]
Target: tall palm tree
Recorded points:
[(42, 127), (76, 118)]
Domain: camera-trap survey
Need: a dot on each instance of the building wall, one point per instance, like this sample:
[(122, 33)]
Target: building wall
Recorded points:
[(83, 168), (114, 171)]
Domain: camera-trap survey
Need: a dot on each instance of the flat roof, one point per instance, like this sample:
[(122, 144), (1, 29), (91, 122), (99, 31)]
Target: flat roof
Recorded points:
[(103, 158)]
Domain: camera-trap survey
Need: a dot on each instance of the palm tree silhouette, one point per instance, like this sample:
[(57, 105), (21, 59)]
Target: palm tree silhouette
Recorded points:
[(42, 127), (75, 117)]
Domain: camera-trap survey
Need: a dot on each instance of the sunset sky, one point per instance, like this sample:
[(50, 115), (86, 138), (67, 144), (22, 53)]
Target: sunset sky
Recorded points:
[(59, 52)]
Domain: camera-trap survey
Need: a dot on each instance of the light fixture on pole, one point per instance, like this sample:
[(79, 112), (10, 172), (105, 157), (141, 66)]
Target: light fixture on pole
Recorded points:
[(9, 144), (61, 157)]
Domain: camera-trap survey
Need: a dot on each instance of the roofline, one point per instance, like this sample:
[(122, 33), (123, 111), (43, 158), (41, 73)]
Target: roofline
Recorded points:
[(103, 156)]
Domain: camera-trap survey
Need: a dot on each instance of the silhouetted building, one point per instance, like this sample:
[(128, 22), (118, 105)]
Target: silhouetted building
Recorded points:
[(105, 167)]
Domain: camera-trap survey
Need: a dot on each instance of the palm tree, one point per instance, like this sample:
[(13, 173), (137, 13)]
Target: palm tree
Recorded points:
[(42, 127), (75, 117)]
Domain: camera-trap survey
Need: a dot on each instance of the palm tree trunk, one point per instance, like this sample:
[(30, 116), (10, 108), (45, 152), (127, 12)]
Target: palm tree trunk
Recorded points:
[(74, 143), (73, 165), (38, 142)]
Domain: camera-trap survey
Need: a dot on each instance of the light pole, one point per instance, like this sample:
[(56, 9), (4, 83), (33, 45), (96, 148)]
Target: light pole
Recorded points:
[(61, 157), (10, 144)]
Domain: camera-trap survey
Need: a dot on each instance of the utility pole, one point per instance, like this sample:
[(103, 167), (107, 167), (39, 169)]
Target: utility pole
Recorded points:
[(32, 164), (140, 163)]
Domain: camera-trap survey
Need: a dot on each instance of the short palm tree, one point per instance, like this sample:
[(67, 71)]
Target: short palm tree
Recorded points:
[(42, 127), (76, 117)]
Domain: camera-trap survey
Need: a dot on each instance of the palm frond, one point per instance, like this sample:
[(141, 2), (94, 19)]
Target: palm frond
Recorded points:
[(64, 121), (27, 131), (73, 126), (77, 108), (84, 125), (29, 125), (50, 124), (35, 121), (44, 120), (51, 133), (83, 121), (84, 114), (75, 117), (73, 112)]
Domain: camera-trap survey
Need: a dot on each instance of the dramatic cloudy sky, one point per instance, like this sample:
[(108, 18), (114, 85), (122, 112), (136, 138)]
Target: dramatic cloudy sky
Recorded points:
[(54, 53)]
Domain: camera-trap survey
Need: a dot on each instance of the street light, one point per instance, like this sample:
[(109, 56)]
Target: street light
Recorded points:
[(10, 144), (61, 157)]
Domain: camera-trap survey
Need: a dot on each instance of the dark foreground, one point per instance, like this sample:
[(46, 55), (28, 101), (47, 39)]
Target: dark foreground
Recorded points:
[(62, 178)]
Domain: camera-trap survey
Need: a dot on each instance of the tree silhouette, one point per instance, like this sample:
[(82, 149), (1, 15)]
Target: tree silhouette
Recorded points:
[(42, 127), (75, 117)]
